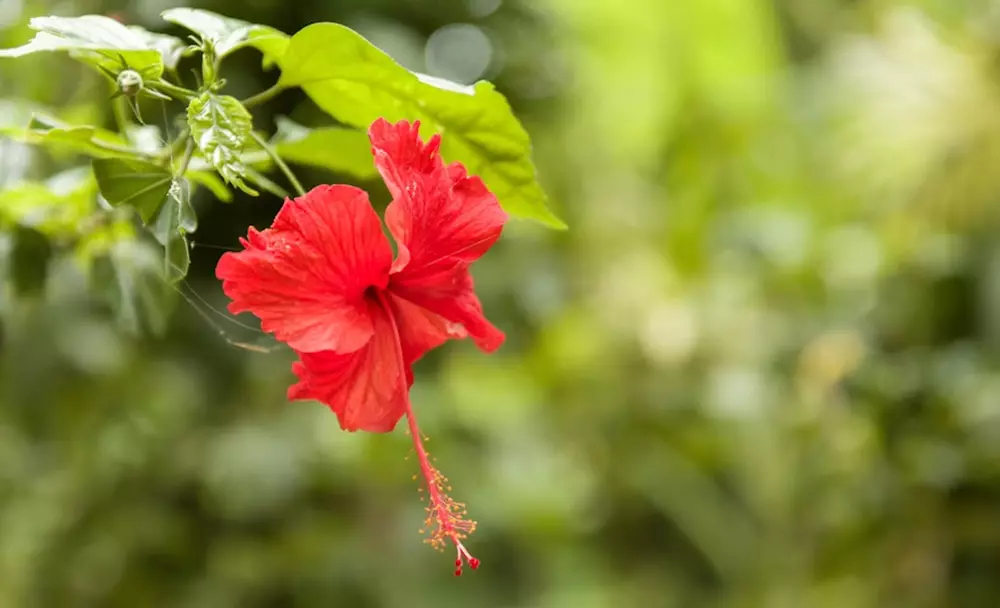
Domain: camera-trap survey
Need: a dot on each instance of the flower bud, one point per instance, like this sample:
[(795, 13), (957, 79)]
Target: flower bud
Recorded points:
[(129, 82)]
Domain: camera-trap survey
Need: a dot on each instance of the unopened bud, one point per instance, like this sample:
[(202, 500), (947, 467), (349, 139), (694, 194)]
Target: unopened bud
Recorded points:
[(129, 82)]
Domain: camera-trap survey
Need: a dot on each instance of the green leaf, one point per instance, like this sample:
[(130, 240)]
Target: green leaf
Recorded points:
[(211, 181), (271, 43), (228, 34), (98, 40), (52, 133), (15, 113), (335, 148), (259, 179), (171, 48), (145, 138), (57, 208), (29, 260), (175, 220), (130, 278), (221, 126), (253, 156), (356, 83), (136, 183)]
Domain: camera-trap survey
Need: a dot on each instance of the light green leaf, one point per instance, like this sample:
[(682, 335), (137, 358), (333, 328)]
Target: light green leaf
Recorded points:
[(98, 40), (136, 183), (15, 113), (145, 138), (265, 183), (52, 133), (221, 126), (253, 156), (171, 48), (228, 34), (57, 208), (335, 148), (211, 181), (356, 83), (174, 220), (271, 43)]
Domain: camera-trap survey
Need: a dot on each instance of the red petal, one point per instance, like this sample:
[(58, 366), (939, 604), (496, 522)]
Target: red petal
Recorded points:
[(305, 277), (442, 220), (420, 330), (364, 388)]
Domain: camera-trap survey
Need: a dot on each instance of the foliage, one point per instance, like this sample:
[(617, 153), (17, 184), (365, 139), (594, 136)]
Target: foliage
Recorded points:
[(762, 369), (220, 128), (357, 83)]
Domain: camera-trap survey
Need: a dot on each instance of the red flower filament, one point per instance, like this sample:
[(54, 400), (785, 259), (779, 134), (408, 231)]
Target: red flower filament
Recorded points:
[(323, 280)]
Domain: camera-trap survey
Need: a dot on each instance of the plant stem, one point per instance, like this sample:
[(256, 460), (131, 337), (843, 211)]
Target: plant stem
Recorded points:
[(121, 114), (186, 159), (281, 164), (174, 147), (263, 96), (173, 90), (121, 150)]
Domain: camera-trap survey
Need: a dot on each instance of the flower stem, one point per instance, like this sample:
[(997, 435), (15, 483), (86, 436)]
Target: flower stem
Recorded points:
[(281, 163), (173, 90), (264, 96), (122, 119)]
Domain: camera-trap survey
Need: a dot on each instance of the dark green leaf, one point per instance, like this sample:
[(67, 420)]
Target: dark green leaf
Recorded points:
[(136, 183), (221, 126), (96, 39), (29, 260), (174, 220), (130, 278), (228, 34), (335, 148), (357, 83)]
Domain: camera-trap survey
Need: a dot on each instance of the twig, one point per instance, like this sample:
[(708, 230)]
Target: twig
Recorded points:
[(263, 96), (281, 164)]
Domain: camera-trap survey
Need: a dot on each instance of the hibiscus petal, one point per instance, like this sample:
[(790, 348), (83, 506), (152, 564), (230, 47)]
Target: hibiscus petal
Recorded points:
[(451, 295), (306, 276), (420, 330), (364, 388), (442, 220), (439, 215)]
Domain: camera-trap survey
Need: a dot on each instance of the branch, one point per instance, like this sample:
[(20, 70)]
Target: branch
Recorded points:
[(281, 164), (173, 90), (263, 96)]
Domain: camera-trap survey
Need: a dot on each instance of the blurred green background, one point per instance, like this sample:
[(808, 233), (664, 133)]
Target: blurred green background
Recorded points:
[(759, 370)]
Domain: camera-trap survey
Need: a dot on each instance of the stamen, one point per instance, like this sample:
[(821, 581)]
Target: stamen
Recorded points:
[(446, 518)]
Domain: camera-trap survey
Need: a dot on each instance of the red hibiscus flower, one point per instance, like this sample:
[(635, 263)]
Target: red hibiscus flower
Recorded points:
[(323, 280)]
